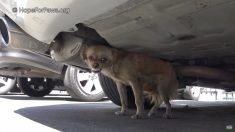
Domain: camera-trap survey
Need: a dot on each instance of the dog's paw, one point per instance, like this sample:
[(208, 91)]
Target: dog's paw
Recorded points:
[(150, 114), (120, 113), (167, 116), (137, 116)]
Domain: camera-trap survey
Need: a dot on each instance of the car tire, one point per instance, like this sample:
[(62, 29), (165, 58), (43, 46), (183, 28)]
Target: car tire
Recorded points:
[(6, 84), (35, 87), (110, 89), (83, 86)]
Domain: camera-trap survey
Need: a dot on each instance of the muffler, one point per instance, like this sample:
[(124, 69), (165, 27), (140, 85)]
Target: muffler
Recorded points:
[(205, 72)]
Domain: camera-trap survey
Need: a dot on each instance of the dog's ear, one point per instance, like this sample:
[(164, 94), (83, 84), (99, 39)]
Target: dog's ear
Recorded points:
[(83, 51)]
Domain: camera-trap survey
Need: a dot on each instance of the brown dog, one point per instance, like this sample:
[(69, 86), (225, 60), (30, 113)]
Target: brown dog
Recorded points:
[(141, 72)]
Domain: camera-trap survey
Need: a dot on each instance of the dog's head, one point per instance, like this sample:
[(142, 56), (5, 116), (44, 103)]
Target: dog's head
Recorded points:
[(97, 57)]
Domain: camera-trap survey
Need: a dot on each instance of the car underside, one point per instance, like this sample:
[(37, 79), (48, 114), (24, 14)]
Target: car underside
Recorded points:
[(196, 36)]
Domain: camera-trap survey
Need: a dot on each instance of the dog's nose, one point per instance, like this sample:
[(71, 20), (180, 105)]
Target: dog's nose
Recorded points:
[(96, 65)]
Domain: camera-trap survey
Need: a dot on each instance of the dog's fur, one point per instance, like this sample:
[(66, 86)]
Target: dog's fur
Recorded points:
[(141, 72)]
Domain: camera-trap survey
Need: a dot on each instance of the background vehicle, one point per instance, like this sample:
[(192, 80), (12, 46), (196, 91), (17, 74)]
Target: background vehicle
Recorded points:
[(6, 84), (83, 86), (35, 87), (195, 36)]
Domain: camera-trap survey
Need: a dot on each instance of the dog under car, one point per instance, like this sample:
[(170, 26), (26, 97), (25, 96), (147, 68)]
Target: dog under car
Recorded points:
[(192, 39)]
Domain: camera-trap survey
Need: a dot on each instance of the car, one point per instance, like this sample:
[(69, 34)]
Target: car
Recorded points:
[(82, 86), (44, 39), (6, 84)]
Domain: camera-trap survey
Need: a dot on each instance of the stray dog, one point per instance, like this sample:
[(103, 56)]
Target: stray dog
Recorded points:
[(141, 72)]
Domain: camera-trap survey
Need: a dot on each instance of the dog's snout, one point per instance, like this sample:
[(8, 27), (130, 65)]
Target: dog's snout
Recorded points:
[(96, 65)]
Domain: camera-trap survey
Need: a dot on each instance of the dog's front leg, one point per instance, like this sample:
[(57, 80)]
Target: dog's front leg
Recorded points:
[(123, 97), (139, 100)]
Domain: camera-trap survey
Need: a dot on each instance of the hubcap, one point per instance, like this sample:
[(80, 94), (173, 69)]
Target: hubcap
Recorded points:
[(89, 82), (37, 84), (6, 82)]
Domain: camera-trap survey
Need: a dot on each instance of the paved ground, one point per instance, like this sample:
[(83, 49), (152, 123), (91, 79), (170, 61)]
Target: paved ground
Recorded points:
[(60, 113)]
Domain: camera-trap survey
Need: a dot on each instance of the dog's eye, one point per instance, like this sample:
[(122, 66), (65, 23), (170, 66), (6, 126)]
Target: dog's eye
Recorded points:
[(103, 60)]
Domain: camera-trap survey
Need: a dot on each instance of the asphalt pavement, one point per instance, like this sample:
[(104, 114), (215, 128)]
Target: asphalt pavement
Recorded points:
[(60, 113)]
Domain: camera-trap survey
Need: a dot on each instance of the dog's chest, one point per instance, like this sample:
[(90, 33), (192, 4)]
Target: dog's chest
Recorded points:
[(116, 76), (107, 73)]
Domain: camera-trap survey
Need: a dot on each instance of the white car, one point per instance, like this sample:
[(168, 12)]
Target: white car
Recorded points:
[(6, 84), (43, 38)]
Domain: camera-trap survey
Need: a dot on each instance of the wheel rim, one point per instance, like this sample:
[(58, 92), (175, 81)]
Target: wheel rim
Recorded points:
[(192, 92), (6, 82), (37, 84), (89, 82), (196, 91)]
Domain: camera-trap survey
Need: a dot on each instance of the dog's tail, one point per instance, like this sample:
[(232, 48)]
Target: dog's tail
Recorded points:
[(153, 98)]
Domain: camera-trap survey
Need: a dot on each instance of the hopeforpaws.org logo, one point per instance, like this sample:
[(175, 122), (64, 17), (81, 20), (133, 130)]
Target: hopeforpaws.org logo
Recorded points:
[(40, 10), (14, 10)]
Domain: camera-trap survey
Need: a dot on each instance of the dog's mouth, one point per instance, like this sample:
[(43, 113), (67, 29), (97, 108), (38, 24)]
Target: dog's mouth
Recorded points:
[(96, 70)]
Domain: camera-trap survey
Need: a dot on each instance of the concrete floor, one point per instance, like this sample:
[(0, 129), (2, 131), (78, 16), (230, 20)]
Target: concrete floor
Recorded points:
[(60, 113)]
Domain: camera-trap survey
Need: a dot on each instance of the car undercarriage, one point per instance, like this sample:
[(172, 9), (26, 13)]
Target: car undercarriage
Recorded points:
[(195, 36)]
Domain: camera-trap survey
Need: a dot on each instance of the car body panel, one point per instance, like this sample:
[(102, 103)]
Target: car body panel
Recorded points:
[(45, 26), (179, 29)]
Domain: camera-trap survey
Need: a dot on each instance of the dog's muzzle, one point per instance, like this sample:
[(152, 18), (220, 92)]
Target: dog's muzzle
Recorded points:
[(96, 71)]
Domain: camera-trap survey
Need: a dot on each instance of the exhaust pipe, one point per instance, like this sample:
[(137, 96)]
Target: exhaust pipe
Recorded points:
[(23, 63), (18, 38), (4, 33)]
